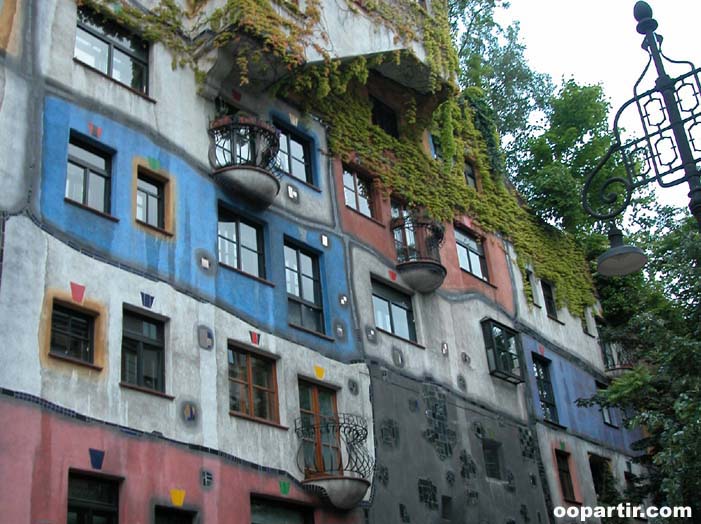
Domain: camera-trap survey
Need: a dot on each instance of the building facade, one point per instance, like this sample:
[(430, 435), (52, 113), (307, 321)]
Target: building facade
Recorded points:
[(217, 308)]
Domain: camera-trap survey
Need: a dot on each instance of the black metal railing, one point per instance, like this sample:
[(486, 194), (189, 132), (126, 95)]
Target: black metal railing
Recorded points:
[(417, 239), (242, 141), (346, 434), (616, 357)]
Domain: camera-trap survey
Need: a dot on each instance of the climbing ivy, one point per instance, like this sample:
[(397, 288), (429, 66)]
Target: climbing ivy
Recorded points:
[(335, 91)]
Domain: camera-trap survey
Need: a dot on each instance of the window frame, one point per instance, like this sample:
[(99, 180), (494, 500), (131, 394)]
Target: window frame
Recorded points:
[(250, 386), (470, 175), (492, 447), (89, 170), (544, 385), (318, 305), (377, 289), (141, 340), (288, 134), (403, 234), (112, 45), (88, 507), (359, 180), (237, 220), (319, 444), (564, 474), (549, 298), (160, 197), (478, 252), (494, 353), (89, 317), (607, 413), (169, 511)]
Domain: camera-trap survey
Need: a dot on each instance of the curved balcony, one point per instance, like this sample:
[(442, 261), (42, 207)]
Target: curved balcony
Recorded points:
[(334, 459), (242, 152), (417, 241), (619, 362)]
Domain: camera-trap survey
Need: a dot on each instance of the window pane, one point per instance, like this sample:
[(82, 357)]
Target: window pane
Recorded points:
[(299, 169), (262, 372), (401, 322), (141, 206), (476, 266), (262, 404), (307, 264), (91, 50), (326, 406), (153, 211), (349, 196), (249, 262), (463, 258), (74, 182), (296, 149), (294, 313), (249, 236), (238, 397), (308, 289), (227, 252), (290, 258), (152, 367), (96, 194), (130, 361), (382, 318), (349, 180), (312, 319), (86, 156), (292, 282), (238, 366), (305, 396), (364, 199)]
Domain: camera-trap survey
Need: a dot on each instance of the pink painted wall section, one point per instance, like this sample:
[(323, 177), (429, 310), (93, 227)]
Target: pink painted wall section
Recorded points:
[(38, 448)]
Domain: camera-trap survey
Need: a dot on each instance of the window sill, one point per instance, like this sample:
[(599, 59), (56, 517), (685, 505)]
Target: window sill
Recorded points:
[(554, 425), (303, 182), (249, 275), (75, 361), (140, 389), (412, 342), (572, 502), (91, 209), (613, 426), (556, 320), (156, 229), (108, 77), (483, 280), (258, 420), (589, 335), (311, 332), (370, 218)]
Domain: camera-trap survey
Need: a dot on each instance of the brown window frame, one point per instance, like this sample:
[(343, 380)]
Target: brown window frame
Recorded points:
[(250, 386), (564, 474), (318, 442)]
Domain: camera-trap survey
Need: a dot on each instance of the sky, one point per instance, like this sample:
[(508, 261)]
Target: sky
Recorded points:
[(595, 41)]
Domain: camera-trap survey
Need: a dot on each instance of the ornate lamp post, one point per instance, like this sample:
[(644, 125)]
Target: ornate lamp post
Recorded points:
[(669, 150)]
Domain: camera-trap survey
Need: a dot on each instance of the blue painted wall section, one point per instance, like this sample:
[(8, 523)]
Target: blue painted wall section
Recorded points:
[(196, 198), (571, 383)]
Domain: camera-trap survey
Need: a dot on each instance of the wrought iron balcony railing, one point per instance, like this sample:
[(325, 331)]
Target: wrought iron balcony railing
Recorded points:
[(242, 141), (417, 239), (334, 447)]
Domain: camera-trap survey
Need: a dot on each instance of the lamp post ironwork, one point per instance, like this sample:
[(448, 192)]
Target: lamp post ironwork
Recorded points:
[(669, 150)]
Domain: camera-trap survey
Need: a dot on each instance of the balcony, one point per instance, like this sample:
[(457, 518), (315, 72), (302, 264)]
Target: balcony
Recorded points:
[(242, 152), (334, 459), (417, 241), (617, 360)]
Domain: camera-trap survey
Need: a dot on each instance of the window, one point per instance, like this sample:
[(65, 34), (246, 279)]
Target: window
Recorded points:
[(502, 351), (71, 333), (92, 500), (606, 411), (150, 201), (240, 244), (607, 355), (471, 254), (143, 349), (320, 441), (357, 192), (437, 150), (563, 469), (541, 371), (111, 49), (470, 177), (295, 155), (274, 512), (384, 117), (393, 311), (601, 475), (492, 460), (164, 515), (88, 175), (303, 289), (549, 298), (403, 232), (252, 385)]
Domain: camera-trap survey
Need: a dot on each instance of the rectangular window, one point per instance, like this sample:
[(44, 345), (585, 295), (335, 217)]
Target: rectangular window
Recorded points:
[(470, 177), (549, 298), (88, 175), (563, 469), (606, 411), (607, 355), (319, 420), (384, 117), (436, 147), (92, 500), (252, 385), (295, 155), (143, 351), (303, 289), (72, 333), (165, 515), (471, 254), (541, 371), (502, 346), (403, 232), (240, 244), (492, 459), (357, 192), (601, 475), (150, 201), (111, 49), (265, 511), (393, 311)]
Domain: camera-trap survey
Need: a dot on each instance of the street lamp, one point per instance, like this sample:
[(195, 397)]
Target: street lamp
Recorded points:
[(669, 150)]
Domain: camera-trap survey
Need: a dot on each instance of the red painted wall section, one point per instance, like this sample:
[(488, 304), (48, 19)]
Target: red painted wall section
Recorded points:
[(39, 447)]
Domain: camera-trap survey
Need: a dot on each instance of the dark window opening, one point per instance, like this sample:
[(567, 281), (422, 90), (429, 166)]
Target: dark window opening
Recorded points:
[(492, 459), (143, 351), (165, 515), (92, 500), (303, 289), (72, 333), (563, 468), (252, 384), (393, 311), (541, 371), (357, 192), (150, 201), (240, 244), (503, 350), (549, 298), (470, 176), (384, 117), (88, 175)]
